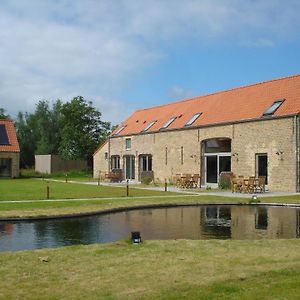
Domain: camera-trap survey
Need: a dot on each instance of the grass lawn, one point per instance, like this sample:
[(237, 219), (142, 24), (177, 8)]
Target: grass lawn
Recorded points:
[(30, 189), (34, 189), (212, 269), (180, 269)]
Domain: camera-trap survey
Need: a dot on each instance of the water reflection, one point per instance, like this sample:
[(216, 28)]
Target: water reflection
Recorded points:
[(197, 222)]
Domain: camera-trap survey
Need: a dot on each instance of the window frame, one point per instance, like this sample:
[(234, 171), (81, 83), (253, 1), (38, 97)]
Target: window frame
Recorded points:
[(168, 123), (149, 126), (115, 162), (128, 146), (193, 119), (273, 108), (119, 130)]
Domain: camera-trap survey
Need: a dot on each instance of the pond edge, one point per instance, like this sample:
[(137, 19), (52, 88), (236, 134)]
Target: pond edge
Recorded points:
[(147, 206)]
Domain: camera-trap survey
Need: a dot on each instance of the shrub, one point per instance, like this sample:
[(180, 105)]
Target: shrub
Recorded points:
[(146, 180), (224, 181)]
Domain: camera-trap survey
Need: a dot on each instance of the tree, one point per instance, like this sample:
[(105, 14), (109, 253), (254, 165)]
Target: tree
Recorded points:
[(39, 132), (3, 114), (82, 129), (26, 139)]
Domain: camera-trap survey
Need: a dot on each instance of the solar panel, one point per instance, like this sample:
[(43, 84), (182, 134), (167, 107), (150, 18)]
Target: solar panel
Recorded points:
[(3, 135)]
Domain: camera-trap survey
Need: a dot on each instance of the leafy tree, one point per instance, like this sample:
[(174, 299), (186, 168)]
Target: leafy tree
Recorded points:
[(47, 127), (82, 129), (3, 114), (26, 139), (39, 132)]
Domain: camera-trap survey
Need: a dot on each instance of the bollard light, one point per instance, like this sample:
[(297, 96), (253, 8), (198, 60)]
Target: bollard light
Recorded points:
[(136, 237), (254, 197)]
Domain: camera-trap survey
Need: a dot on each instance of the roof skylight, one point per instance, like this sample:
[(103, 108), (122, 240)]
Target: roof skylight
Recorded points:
[(149, 126), (270, 111), (193, 119), (119, 130), (169, 123)]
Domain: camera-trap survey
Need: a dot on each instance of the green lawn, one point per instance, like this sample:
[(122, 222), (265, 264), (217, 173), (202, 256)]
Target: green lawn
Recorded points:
[(213, 269), (181, 269), (30, 189)]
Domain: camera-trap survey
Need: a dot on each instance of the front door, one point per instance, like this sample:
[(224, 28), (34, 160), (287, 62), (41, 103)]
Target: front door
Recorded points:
[(129, 167), (212, 169), (262, 165)]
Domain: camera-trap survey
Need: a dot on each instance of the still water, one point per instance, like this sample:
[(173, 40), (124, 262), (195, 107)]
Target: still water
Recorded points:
[(188, 222)]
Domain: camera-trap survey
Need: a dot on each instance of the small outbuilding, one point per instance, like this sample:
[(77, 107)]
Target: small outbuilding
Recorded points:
[(9, 150)]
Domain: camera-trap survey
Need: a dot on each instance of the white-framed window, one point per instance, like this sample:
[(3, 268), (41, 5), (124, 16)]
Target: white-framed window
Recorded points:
[(119, 130), (115, 162), (128, 143), (146, 162), (149, 126), (168, 123), (193, 119)]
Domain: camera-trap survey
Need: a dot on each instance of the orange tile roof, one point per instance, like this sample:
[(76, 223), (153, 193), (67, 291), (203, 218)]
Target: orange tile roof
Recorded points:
[(12, 137), (235, 105)]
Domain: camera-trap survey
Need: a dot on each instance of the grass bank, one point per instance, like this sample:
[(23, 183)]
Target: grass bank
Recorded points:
[(265, 269)]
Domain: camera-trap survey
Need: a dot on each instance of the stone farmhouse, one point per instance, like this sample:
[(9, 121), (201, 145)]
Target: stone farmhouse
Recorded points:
[(251, 131), (9, 150)]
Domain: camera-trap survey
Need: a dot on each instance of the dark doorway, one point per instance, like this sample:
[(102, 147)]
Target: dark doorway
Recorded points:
[(5, 167), (262, 165)]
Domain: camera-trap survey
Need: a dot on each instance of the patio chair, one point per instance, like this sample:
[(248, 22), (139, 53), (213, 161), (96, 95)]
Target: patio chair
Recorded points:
[(234, 184), (196, 181), (261, 185), (251, 184)]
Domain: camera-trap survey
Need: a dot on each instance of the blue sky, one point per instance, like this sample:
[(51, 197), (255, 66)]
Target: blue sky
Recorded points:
[(127, 55)]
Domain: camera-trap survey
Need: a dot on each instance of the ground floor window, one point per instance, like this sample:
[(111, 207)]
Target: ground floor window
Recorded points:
[(5, 167), (115, 162), (146, 162)]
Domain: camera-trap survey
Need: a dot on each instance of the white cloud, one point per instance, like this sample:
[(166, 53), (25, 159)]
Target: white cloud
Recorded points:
[(60, 49)]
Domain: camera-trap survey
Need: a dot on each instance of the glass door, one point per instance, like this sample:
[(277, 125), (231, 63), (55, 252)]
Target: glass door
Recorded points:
[(211, 169), (215, 164), (129, 167)]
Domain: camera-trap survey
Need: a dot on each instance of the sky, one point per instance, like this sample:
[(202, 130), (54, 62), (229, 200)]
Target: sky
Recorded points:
[(126, 55)]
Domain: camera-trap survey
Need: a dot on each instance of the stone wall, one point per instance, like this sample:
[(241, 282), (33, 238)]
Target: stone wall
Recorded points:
[(15, 164), (101, 161), (180, 151)]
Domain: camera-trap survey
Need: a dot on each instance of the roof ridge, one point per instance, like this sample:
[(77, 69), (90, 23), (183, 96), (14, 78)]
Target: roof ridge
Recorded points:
[(219, 92)]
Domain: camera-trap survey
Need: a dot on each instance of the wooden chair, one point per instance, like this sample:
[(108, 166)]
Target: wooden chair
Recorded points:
[(188, 181), (251, 184), (196, 181), (240, 184), (261, 185), (234, 184)]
